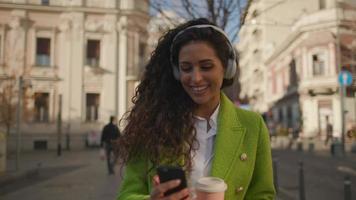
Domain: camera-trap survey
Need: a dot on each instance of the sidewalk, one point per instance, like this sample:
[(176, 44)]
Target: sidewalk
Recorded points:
[(45, 172), (75, 175), (307, 145), (323, 172), (32, 163)]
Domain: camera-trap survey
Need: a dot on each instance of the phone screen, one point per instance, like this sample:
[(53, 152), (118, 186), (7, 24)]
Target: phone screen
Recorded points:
[(167, 173)]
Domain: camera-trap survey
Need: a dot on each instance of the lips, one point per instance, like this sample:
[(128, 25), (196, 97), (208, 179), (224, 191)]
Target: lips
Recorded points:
[(199, 89)]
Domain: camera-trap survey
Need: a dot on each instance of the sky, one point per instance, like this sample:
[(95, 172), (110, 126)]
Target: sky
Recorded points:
[(200, 8)]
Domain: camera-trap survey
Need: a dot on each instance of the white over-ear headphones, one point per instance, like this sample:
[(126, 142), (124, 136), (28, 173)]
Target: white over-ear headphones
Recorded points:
[(230, 70)]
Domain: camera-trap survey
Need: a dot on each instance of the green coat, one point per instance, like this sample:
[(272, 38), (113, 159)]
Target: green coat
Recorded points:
[(242, 157)]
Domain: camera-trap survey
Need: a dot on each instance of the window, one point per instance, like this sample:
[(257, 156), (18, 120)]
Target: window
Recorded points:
[(257, 54), (293, 79), (92, 108), (257, 33), (45, 2), (141, 54), (280, 115), (289, 116), (93, 53), (41, 107), (255, 14), (43, 51), (318, 65), (322, 4)]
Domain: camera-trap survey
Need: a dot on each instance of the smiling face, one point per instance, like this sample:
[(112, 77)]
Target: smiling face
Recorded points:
[(201, 74)]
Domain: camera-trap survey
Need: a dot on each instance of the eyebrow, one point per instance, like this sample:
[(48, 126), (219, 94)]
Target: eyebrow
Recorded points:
[(206, 60), (200, 61)]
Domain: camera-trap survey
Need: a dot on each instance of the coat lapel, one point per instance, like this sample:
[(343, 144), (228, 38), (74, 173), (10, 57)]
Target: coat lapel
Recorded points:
[(229, 136)]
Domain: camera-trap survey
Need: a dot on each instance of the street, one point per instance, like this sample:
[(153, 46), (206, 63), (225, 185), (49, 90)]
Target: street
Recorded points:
[(323, 174), (81, 175), (78, 175)]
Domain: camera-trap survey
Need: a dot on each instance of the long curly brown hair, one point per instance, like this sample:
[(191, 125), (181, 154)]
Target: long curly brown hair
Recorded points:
[(160, 123)]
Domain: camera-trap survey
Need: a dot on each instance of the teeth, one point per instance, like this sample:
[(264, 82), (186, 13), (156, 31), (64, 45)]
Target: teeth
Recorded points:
[(199, 89)]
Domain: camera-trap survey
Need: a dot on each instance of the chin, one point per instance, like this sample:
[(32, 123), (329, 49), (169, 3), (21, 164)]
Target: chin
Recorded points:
[(200, 100)]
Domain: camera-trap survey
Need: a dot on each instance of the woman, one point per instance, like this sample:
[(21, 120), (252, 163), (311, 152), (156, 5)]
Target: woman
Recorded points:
[(181, 117)]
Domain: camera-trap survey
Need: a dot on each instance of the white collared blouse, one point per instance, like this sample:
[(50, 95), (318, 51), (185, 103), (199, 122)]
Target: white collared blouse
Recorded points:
[(202, 158)]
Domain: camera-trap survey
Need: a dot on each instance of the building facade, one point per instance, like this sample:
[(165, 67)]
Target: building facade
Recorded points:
[(78, 59), (266, 25), (303, 72), (291, 54)]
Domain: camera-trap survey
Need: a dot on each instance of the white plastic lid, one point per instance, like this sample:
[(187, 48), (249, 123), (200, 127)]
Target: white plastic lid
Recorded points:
[(211, 184)]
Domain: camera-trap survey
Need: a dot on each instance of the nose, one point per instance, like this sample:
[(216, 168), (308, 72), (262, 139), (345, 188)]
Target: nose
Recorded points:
[(196, 75)]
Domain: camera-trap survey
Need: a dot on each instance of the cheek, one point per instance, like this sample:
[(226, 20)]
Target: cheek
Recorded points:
[(184, 78)]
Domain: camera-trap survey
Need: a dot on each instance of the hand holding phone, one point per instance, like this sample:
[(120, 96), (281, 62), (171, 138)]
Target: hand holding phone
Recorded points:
[(167, 173)]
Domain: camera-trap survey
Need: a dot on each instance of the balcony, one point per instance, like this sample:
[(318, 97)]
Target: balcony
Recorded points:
[(92, 62), (43, 60), (320, 18)]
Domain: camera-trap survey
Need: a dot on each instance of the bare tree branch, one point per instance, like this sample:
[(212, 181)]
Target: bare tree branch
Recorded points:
[(227, 14), (244, 13), (218, 11), (158, 7), (211, 10), (189, 8)]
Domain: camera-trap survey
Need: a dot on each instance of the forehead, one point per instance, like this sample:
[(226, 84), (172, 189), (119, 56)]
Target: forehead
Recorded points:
[(196, 49)]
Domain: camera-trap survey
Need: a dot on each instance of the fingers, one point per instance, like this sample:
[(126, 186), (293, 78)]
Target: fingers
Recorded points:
[(183, 194), (164, 187), (159, 190), (156, 180)]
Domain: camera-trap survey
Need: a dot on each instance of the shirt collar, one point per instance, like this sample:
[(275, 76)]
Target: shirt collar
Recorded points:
[(213, 119)]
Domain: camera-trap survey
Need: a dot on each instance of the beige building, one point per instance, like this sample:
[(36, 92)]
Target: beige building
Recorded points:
[(289, 61), (82, 57), (303, 71), (266, 25)]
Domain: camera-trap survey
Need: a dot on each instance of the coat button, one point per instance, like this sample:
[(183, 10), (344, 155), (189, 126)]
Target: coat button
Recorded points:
[(239, 189), (243, 157)]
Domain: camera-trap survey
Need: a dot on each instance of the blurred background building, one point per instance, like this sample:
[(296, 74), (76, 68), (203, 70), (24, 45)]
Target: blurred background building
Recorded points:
[(79, 60), (290, 55)]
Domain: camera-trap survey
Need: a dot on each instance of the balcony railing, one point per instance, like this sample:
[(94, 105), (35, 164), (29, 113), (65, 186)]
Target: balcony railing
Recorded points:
[(43, 60), (92, 62)]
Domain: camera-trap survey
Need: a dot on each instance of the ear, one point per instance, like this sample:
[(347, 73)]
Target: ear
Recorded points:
[(176, 72)]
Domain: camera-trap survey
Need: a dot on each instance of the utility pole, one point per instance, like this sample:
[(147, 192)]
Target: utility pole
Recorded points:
[(59, 127), (18, 123), (342, 88)]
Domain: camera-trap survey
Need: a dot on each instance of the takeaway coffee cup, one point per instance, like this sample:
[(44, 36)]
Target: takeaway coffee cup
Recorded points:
[(210, 188)]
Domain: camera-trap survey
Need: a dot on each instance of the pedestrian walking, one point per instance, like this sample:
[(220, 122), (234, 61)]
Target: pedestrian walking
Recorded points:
[(181, 117), (293, 134), (329, 131), (109, 134)]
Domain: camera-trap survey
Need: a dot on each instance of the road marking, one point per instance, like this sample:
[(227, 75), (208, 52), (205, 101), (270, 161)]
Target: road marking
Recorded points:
[(347, 170)]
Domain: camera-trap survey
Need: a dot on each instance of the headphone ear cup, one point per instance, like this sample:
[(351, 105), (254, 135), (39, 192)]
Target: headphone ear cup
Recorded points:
[(230, 69), (176, 73)]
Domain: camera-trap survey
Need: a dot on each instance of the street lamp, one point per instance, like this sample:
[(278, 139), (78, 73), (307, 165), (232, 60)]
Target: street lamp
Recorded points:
[(22, 83), (342, 88)]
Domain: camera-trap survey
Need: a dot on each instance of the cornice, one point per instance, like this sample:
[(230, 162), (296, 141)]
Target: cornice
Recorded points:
[(43, 8)]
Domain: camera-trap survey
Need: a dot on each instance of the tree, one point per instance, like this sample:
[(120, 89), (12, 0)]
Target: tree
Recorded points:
[(8, 100), (225, 13)]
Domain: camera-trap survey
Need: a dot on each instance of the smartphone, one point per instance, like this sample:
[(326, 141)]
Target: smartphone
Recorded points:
[(167, 173)]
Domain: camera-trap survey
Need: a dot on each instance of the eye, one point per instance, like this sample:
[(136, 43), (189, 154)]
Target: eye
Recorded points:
[(207, 66), (185, 67)]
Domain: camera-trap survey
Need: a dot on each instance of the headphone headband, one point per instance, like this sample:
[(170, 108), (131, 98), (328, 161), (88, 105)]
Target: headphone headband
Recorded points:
[(231, 65)]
